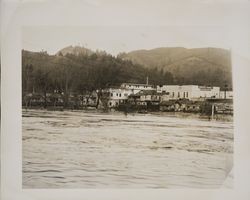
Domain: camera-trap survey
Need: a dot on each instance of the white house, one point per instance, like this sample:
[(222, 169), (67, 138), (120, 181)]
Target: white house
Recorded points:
[(137, 87), (149, 95), (192, 92), (117, 96)]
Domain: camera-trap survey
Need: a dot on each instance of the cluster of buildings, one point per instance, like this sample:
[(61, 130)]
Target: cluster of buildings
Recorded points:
[(137, 97), (74, 101), (145, 94)]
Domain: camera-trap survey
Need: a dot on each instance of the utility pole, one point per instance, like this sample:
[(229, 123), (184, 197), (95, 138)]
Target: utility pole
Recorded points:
[(147, 80)]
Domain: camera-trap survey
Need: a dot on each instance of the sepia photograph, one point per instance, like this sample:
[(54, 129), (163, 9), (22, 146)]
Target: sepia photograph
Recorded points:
[(118, 100), (126, 107)]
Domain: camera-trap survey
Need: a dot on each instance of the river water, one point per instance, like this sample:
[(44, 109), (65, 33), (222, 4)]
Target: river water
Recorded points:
[(90, 149)]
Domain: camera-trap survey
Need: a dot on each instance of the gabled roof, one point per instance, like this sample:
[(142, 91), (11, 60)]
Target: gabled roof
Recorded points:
[(147, 92), (134, 95), (167, 103)]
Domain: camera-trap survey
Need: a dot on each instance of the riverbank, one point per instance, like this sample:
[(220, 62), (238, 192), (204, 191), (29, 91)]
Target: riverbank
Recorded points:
[(207, 106), (217, 117), (206, 111)]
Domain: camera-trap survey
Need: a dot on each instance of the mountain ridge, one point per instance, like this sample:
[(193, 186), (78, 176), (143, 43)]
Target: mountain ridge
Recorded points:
[(186, 64), (163, 65), (78, 50)]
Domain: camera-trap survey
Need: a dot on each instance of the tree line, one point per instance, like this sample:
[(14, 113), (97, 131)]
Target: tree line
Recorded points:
[(80, 74)]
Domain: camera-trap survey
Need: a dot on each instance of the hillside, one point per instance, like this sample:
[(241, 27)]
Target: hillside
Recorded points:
[(76, 50), (77, 69), (210, 66), (76, 73), (79, 50)]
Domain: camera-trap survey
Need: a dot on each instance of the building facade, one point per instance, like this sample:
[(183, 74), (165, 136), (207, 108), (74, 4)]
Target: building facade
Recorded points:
[(136, 87), (116, 96), (226, 95), (191, 92)]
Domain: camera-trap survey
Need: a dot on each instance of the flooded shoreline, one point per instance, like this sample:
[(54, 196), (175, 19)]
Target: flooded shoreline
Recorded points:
[(92, 149), (219, 117)]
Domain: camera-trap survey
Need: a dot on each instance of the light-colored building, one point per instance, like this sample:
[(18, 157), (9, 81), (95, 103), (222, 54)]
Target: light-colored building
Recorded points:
[(137, 87), (117, 96), (192, 92), (226, 95), (145, 99), (149, 96)]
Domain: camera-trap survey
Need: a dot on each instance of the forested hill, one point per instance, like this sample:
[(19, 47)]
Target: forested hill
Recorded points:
[(82, 72), (208, 66), (79, 69), (76, 50)]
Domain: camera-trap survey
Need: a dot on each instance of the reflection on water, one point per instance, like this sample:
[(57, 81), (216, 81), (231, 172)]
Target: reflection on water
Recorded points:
[(111, 150)]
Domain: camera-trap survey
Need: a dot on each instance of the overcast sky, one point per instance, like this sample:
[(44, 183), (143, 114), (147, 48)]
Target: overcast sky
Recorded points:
[(115, 39), (122, 26)]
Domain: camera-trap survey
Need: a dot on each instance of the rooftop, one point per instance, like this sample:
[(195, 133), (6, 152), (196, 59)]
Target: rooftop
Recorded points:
[(137, 84)]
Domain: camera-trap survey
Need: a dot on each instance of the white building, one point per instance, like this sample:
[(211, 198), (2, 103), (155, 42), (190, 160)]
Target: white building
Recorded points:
[(226, 95), (192, 92), (149, 95), (137, 87), (117, 96)]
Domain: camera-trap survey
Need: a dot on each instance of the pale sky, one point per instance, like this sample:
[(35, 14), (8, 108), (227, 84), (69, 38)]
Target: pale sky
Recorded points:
[(115, 39), (125, 25)]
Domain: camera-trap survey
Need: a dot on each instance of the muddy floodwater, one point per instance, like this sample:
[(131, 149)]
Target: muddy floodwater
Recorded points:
[(91, 149)]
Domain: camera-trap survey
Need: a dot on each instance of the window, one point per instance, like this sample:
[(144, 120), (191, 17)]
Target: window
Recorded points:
[(183, 94), (110, 103), (178, 94), (120, 95), (117, 94), (111, 94), (187, 95), (167, 93), (173, 94)]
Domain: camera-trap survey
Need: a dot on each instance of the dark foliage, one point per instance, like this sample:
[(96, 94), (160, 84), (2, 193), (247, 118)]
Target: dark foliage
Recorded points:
[(200, 66), (82, 73)]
